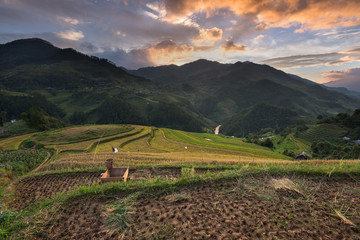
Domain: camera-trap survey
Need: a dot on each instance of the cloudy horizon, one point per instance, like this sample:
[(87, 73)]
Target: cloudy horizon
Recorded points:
[(313, 39)]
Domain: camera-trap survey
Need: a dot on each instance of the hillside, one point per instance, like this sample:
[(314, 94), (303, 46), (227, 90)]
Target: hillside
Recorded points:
[(225, 89), (84, 89), (258, 117), (352, 83)]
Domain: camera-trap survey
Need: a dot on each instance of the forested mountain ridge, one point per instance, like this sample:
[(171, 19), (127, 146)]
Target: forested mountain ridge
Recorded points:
[(195, 96)]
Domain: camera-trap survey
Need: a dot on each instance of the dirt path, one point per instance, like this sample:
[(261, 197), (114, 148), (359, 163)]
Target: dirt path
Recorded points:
[(217, 129), (42, 164)]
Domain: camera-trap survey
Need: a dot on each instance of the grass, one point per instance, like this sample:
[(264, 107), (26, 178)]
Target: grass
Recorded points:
[(13, 129), (13, 143), (245, 149), (79, 133), (290, 143), (119, 213), (16, 163)]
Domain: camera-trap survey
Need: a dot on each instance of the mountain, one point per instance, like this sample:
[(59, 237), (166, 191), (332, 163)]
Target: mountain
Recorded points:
[(36, 64), (352, 83), (257, 117), (342, 90), (195, 96), (85, 89), (222, 90)]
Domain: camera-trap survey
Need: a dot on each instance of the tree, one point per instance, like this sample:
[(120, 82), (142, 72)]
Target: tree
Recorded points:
[(38, 118), (78, 118), (2, 118), (268, 143)]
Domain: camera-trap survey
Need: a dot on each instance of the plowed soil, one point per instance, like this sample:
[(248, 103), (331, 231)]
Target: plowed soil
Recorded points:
[(84, 219), (33, 189), (247, 208)]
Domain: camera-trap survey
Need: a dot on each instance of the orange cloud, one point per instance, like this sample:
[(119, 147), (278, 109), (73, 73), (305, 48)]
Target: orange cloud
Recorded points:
[(229, 46), (208, 36), (169, 52), (71, 35), (307, 14)]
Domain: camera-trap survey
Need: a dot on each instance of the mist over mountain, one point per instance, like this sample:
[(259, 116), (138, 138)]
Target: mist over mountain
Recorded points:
[(194, 96)]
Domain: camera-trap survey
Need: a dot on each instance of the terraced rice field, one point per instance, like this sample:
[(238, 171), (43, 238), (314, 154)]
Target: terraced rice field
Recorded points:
[(181, 186), (330, 132), (91, 145), (13, 143), (79, 134)]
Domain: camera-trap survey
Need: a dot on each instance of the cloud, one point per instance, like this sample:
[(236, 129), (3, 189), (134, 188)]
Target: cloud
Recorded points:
[(349, 78), (132, 59), (69, 20), (334, 58), (208, 36), (259, 37), (169, 52), (229, 46), (101, 19), (164, 52), (303, 14), (71, 35)]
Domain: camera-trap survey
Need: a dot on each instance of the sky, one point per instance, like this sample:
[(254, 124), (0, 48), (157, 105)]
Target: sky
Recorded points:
[(315, 39)]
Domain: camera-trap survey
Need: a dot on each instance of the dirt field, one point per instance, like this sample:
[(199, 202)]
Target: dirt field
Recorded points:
[(32, 189), (247, 208)]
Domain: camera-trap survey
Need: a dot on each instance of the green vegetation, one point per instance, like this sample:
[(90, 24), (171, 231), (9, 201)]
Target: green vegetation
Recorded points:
[(16, 163), (13, 143), (19, 127), (119, 217), (350, 122), (2, 118), (258, 117), (37, 118), (79, 134), (326, 150), (234, 146), (328, 132)]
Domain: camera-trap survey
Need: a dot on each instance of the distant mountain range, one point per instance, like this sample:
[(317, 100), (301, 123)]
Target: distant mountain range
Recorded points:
[(193, 96), (351, 83), (226, 88)]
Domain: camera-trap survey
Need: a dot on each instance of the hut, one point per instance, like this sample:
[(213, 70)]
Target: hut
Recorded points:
[(301, 156)]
